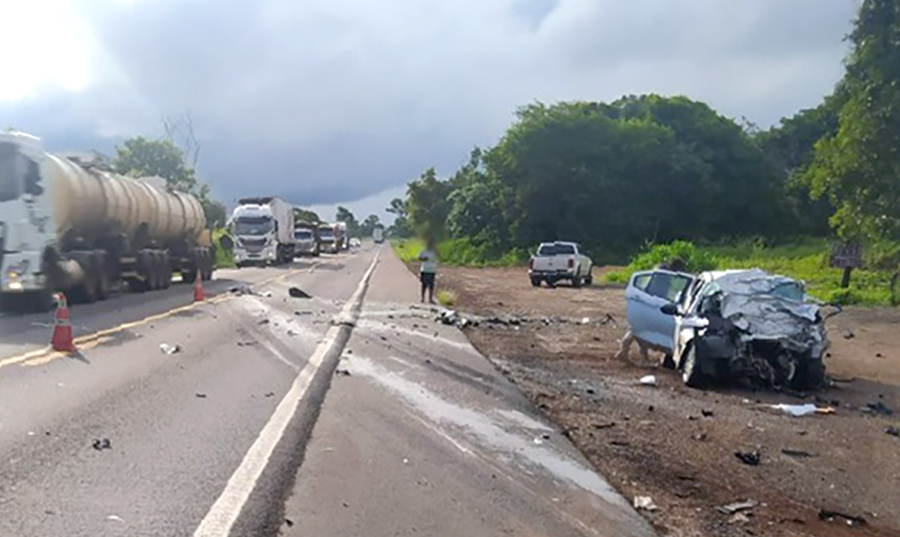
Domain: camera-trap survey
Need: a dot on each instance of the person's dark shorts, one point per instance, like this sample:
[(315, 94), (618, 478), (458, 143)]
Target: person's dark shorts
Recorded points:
[(427, 279)]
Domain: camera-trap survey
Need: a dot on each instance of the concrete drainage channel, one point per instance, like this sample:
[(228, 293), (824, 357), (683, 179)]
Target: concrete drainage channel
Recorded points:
[(253, 500)]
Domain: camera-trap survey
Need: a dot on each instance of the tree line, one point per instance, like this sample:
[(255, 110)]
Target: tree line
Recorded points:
[(651, 169)]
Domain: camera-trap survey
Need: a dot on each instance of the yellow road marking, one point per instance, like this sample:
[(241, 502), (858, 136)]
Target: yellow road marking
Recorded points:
[(89, 341)]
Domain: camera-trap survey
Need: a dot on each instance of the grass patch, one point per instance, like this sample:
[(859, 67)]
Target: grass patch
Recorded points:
[(446, 298), (224, 258), (805, 260), (459, 252)]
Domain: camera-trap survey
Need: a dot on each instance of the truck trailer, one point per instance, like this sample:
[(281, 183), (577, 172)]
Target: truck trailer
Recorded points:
[(264, 231), (70, 225)]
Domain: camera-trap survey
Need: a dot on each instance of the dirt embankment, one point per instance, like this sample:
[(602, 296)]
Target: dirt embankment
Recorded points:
[(677, 445)]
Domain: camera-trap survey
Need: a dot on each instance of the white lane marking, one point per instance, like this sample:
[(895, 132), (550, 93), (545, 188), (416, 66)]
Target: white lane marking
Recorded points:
[(221, 517)]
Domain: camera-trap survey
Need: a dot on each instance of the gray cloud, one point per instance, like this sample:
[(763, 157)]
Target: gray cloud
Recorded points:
[(324, 101)]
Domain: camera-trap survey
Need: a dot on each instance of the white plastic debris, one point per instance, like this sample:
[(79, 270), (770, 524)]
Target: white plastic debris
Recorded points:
[(165, 348), (115, 518), (802, 410), (649, 380), (645, 503), (586, 320)]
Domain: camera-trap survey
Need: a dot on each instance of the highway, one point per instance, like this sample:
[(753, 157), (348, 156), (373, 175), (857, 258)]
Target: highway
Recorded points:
[(347, 413)]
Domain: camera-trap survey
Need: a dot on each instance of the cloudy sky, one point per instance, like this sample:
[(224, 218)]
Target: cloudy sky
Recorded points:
[(325, 101)]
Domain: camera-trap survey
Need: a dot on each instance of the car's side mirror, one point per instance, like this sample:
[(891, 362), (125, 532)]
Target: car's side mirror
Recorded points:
[(670, 309), (226, 242)]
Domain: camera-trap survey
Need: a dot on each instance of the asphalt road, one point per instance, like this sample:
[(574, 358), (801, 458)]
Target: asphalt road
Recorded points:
[(248, 429)]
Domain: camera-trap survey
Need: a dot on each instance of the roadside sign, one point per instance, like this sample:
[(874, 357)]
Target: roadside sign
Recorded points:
[(846, 255)]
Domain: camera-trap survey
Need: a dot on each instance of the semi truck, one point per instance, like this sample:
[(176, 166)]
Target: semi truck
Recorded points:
[(328, 241), (340, 236), (263, 229), (378, 234), (72, 225), (306, 237)]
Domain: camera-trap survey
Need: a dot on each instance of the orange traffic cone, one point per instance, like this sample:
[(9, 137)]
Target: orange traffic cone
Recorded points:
[(199, 295), (62, 329)]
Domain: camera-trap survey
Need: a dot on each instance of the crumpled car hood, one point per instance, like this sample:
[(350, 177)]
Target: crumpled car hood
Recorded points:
[(747, 303)]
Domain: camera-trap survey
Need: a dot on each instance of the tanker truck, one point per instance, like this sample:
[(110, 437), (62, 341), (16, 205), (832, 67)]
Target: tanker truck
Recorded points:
[(68, 225), (264, 229)]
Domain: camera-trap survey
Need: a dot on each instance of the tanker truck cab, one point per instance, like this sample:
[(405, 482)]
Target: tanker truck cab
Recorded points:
[(26, 225)]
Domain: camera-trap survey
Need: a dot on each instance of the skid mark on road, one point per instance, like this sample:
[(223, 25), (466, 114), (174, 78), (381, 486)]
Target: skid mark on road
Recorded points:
[(482, 430), (102, 335)]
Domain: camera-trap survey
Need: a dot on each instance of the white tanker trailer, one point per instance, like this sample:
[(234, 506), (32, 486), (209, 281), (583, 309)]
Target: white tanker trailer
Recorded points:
[(66, 225)]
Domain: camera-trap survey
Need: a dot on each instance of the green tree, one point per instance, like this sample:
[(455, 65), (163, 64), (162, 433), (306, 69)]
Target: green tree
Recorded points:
[(344, 215), (141, 157), (368, 225), (428, 204), (400, 227), (858, 168), (306, 215)]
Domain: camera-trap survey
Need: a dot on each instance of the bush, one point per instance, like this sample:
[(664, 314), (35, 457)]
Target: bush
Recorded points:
[(446, 298)]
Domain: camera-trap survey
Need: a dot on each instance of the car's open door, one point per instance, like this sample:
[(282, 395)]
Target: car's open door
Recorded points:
[(646, 294)]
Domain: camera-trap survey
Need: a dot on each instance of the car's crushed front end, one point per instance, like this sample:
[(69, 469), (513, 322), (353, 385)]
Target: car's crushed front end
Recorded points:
[(761, 328)]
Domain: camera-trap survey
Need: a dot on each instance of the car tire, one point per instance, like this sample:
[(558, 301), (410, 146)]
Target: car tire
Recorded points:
[(669, 361), (691, 372), (809, 376), (535, 282), (589, 279), (551, 283)]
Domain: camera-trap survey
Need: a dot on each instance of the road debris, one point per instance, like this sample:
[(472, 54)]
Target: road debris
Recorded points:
[(242, 290), (200, 395), (644, 503), (263, 322), (750, 458), (114, 518), (246, 343), (301, 313), (270, 394), (649, 380), (167, 349), (893, 431), (738, 518), (607, 425), (736, 507), (266, 294), (802, 410), (878, 409), (296, 292), (101, 443), (833, 516), (342, 373), (707, 413), (796, 453)]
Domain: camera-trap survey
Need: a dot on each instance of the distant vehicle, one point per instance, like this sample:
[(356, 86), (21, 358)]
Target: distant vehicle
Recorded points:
[(70, 225), (264, 231), (745, 324), (327, 240), (555, 261), (378, 234), (355, 243), (341, 237), (306, 239)]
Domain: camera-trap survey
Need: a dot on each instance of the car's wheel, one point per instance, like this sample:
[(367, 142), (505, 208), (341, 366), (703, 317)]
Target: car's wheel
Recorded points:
[(535, 282), (809, 375), (589, 279), (551, 283), (690, 369), (668, 361)]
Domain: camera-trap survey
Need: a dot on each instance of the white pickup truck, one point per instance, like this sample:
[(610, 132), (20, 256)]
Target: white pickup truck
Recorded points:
[(556, 261)]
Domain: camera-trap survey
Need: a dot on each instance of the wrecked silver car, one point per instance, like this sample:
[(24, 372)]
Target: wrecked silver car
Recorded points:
[(744, 325)]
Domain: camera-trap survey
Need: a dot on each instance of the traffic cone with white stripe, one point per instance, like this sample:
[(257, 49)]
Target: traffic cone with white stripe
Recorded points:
[(199, 295), (62, 327)]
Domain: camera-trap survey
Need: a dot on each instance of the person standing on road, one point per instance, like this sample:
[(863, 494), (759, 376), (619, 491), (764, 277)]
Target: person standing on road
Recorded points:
[(428, 270)]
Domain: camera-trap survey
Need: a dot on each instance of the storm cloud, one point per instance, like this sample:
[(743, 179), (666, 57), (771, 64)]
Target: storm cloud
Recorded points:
[(325, 101)]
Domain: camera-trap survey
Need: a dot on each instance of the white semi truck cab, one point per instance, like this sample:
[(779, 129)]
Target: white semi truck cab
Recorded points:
[(264, 229)]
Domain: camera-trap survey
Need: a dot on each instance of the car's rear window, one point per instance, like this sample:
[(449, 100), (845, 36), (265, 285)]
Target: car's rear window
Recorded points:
[(547, 250)]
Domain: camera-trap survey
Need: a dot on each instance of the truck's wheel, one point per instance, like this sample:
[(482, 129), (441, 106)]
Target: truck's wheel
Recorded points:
[(535, 282), (576, 281), (691, 372), (551, 283), (103, 283), (166, 270)]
